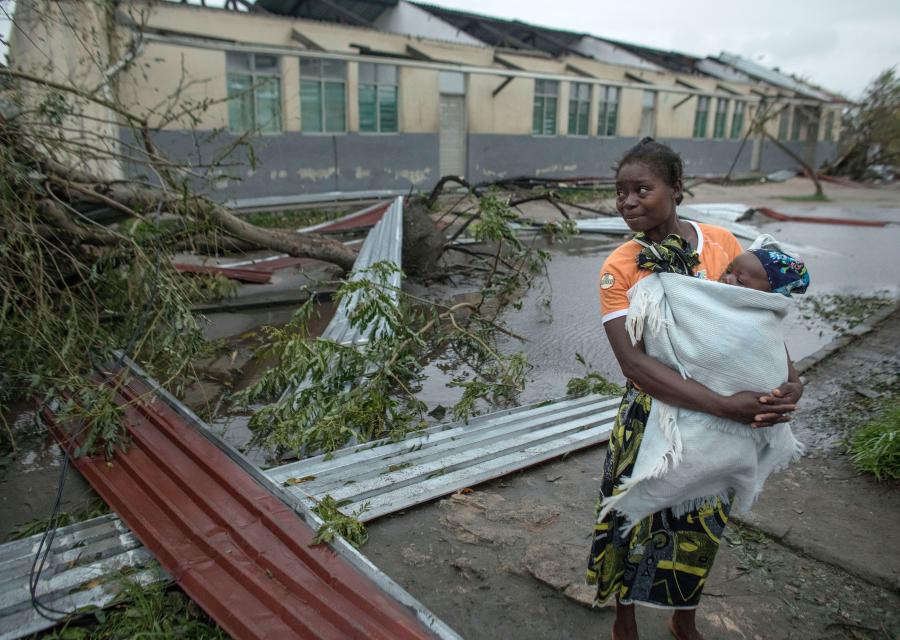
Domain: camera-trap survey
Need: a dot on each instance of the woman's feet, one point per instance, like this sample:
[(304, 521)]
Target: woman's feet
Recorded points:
[(624, 626), (683, 625)]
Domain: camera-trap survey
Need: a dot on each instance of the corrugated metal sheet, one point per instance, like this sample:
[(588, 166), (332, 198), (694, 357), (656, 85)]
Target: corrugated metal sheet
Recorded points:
[(383, 244), (251, 276), (723, 211), (391, 476), (707, 214), (82, 569), (238, 545), (269, 202), (269, 263), (367, 217)]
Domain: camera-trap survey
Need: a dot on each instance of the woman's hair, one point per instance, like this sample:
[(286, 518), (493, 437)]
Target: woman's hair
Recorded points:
[(661, 159)]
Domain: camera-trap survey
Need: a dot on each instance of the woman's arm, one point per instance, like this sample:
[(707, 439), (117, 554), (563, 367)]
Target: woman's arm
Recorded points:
[(667, 385)]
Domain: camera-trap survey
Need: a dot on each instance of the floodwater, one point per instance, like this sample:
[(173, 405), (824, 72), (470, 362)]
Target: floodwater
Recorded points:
[(562, 318)]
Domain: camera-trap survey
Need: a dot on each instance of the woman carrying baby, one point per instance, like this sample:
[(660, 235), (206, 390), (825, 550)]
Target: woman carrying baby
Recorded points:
[(663, 561)]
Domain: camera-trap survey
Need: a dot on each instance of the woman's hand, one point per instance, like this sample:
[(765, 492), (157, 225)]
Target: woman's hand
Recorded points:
[(748, 407), (786, 395)]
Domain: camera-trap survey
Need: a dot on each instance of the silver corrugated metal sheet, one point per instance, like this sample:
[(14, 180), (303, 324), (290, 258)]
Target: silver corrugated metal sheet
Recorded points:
[(83, 569), (383, 244), (722, 211), (721, 214), (268, 202), (389, 476)]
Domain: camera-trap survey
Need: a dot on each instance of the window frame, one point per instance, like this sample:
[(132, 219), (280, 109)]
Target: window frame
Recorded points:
[(603, 111), (784, 124), (828, 133), (798, 125), (582, 108), (720, 119), (255, 76), (322, 80), (652, 109), (701, 117), (737, 119), (378, 85), (544, 97)]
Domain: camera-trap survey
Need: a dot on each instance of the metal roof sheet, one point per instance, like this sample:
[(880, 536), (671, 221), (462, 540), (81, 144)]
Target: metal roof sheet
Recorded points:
[(513, 34), (239, 550), (772, 76), (359, 12)]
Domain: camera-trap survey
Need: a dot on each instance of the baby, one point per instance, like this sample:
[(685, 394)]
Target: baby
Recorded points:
[(768, 271)]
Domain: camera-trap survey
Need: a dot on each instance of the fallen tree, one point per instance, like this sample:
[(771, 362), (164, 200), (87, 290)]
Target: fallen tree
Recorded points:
[(870, 133)]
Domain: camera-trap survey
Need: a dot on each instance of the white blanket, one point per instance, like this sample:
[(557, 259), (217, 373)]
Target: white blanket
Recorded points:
[(729, 339)]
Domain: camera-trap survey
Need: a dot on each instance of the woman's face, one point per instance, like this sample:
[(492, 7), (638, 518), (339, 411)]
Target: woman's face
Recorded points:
[(643, 198)]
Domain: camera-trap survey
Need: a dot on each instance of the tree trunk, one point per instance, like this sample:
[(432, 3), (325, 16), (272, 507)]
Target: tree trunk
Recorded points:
[(809, 170), (146, 198)]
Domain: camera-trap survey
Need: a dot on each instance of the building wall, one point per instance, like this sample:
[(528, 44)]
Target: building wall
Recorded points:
[(67, 43), (293, 163), (492, 157)]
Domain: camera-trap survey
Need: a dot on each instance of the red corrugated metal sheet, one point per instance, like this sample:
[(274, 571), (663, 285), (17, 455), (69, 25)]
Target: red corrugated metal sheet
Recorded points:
[(279, 263), (253, 276), (234, 547), (769, 213), (368, 217)]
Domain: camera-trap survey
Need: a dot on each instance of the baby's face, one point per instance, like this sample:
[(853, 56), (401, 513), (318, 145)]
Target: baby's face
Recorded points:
[(747, 271)]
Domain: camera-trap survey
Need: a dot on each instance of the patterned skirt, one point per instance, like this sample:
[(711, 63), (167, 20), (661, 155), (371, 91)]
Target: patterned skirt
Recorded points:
[(663, 561)]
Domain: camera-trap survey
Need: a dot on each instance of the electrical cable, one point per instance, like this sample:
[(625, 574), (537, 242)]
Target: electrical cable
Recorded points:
[(42, 553)]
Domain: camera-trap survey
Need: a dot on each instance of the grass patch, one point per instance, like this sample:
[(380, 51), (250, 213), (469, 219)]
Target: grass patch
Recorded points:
[(875, 447), (292, 218), (815, 197), (152, 611)]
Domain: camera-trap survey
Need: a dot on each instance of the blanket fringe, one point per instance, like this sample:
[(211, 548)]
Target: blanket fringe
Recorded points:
[(688, 506), (644, 311), (668, 425)]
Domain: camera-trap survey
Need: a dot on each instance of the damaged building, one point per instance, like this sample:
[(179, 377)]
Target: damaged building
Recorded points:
[(360, 95)]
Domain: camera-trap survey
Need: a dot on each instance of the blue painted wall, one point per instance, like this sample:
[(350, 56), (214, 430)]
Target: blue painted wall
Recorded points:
[(294, 163)]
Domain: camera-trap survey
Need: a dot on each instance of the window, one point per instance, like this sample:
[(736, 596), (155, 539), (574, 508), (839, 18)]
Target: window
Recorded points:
[(579, 109), (701, 117), (737, 120), (829, 126), (648, 114), (378, 111), (607, 122), (784, 123), (721, 117), (254, 92), (544, 112), (799, 125), (323, 95)]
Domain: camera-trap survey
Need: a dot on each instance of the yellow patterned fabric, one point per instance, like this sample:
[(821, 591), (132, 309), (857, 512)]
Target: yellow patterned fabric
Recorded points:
[(663, 561)]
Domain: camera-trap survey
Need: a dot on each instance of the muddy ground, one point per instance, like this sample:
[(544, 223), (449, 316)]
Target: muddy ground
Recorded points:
[(817, 559)]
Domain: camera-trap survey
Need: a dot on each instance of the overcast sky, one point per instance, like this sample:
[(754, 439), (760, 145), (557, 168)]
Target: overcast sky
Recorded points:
[(840, 44)]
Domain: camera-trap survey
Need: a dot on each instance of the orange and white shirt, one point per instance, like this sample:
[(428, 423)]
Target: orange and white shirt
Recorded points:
[(716, 246)]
